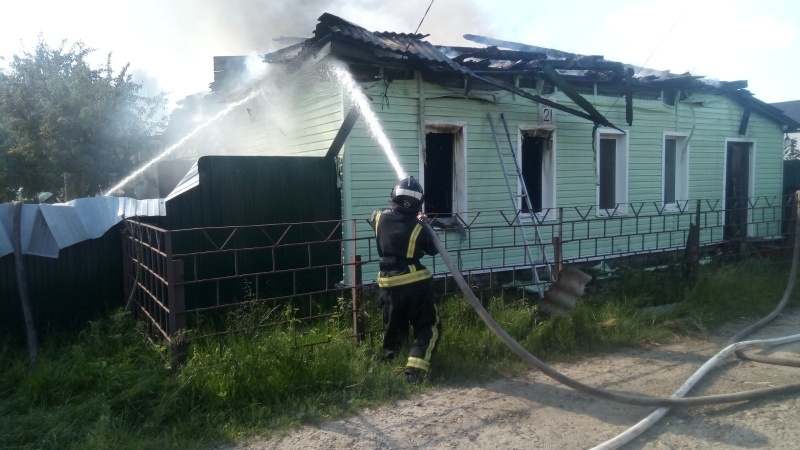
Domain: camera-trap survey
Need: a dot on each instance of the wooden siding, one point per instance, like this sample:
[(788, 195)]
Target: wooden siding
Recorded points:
[(707, 119), (274, 126), (305, 127)]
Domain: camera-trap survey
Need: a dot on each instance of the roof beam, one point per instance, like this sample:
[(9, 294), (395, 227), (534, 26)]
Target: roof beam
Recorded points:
[(570, 92), (344, 131), (539, 99), (745, 121)]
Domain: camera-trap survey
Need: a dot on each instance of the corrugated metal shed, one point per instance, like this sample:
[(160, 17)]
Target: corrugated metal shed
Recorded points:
[(236, 191), (251, 190)]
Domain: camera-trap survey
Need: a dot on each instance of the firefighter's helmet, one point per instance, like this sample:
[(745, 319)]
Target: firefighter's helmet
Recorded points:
[(408, 193)]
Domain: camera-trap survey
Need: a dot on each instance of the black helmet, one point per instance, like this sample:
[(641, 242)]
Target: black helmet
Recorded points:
[(408, 194)]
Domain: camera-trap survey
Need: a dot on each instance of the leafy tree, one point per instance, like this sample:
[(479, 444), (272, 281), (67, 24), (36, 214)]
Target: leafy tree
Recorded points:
[(60, 115), (791, 152)]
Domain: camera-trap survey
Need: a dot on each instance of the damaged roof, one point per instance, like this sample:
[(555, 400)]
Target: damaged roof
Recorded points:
[(383, 45), (497, 61)]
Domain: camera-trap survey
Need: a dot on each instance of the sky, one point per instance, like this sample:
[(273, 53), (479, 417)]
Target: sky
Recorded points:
[(172, 42)]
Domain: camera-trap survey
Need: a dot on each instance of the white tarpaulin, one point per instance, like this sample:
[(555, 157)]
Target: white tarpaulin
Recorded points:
[(46, 229)]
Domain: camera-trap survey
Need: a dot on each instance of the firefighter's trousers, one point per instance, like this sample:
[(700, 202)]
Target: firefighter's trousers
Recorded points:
[(411, 304)]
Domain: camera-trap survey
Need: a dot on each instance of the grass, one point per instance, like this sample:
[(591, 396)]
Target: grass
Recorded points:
[(106, 387)]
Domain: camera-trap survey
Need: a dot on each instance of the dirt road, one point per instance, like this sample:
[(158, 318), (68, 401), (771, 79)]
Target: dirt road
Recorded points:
[(535, 412)]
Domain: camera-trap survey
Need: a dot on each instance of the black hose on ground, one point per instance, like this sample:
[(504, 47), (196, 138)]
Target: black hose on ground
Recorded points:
[(591, 390)]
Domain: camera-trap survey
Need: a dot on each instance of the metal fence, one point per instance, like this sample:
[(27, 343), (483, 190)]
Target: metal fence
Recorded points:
[(178, 279)]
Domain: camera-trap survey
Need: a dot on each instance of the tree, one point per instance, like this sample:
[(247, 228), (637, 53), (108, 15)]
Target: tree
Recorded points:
[(791, 152), (59, 115)]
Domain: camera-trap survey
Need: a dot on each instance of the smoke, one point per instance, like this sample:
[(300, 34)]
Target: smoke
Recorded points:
[(199, 30), (182, 37), (245, 25)]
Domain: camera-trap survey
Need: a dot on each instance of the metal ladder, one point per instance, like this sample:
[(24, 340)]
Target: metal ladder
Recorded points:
[(534, 219)]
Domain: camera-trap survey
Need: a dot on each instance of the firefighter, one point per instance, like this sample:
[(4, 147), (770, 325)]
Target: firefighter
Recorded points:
[(406, 288)]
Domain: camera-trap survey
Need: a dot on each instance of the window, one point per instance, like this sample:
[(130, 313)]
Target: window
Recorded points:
[(675, 172), (444, 172), (612, 173), (537, 162)]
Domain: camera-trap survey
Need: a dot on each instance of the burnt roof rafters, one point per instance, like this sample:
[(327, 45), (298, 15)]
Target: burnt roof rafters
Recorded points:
[(567, 71)]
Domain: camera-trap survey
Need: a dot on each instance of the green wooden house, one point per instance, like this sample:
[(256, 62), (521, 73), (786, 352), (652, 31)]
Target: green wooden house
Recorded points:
[(597, 138)]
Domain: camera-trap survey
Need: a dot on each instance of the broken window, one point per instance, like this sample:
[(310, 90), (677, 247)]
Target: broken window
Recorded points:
[(439, 173), (444, 173), (675, 173), (537, 165), (612, 173)]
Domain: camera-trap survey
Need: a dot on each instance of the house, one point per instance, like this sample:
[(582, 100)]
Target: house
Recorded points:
[(593, 139), (792, 110)]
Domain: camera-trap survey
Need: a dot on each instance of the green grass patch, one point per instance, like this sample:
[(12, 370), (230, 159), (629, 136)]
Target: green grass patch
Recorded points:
[(107, 387)]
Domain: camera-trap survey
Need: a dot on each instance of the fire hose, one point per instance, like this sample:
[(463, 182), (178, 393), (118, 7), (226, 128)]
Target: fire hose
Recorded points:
[(735, 346), (641, 400)]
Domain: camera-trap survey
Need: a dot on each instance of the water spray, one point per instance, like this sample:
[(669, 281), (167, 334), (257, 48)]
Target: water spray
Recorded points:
[(183, 140), (353, 90)]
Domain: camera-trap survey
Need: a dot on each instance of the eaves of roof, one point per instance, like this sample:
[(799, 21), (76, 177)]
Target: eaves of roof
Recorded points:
[(748, 100)]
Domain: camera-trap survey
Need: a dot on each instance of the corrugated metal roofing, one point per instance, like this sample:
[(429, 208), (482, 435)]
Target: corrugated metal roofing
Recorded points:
[(189, 181), (791, 109), (404, 44), (45, 229)]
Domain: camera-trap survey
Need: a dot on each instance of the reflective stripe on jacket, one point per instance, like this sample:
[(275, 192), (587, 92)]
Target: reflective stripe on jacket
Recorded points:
[(401, 242)]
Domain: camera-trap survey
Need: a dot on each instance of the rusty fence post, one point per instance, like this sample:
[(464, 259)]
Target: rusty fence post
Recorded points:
[(794, 215), (177, 315), (176, 305), (355, 292)]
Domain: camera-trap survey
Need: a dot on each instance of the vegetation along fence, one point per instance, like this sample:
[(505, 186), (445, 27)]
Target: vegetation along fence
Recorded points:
[(184, 283)]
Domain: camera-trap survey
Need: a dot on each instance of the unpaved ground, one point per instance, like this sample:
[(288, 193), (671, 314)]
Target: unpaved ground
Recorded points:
[(536, 412)]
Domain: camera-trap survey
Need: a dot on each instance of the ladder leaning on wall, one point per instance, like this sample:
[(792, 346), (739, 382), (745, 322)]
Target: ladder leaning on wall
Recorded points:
[(535, 221)]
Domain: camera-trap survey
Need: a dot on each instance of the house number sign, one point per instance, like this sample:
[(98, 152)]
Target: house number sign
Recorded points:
[(547, 114)]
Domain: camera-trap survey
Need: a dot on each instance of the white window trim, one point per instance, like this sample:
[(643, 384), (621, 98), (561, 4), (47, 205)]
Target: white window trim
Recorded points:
[(459, 129), (751, 188), (549, 209), (681, 170), (622, 163)]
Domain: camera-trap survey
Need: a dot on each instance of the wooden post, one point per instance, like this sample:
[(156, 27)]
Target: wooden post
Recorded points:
[(558, 244), (559, 257), (691, 255), (22, 282)]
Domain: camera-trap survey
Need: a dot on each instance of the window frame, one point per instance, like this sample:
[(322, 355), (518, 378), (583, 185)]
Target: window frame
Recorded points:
[(549, 173), (682, 164), (459, 205), (621, 163)]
